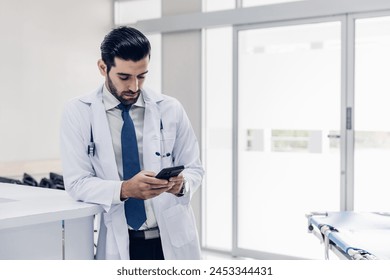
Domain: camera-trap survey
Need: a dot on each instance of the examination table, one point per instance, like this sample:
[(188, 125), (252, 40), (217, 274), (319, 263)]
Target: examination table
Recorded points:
[(352, 235)]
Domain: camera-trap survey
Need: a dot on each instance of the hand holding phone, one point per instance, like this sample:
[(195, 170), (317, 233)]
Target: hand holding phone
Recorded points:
[(169, 172)]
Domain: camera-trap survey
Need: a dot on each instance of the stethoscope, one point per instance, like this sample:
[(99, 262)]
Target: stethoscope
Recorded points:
[(91, 149), (162, 154)]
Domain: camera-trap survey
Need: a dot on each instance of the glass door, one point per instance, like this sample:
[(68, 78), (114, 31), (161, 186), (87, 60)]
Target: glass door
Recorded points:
[(288, 102), (372, 114)]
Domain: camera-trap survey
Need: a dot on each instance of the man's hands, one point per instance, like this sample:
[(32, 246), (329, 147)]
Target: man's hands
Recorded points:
[(144, 185), (177, 184)]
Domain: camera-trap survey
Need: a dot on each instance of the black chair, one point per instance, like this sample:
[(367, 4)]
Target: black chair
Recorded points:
[(10, 181), (29, 180), (46, 183), (57, 180)]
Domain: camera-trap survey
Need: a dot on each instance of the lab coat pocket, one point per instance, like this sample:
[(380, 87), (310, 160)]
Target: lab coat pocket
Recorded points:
[(178, 222)]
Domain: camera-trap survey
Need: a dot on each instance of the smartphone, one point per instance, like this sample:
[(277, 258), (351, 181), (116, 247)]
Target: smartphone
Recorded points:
[(169, 172)]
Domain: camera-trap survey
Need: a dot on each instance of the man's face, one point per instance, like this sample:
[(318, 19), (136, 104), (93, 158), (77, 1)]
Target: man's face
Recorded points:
[(125, 79)]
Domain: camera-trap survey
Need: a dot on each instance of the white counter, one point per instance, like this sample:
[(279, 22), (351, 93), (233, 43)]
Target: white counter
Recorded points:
[(38, 223)]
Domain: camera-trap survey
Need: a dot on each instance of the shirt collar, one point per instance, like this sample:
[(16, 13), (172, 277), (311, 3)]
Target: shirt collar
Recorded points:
[(111, 102)]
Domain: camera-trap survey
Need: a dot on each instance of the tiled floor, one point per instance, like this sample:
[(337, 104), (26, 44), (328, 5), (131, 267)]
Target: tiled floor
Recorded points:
[(210, 255)]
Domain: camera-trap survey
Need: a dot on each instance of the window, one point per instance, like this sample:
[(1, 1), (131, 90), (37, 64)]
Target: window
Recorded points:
[(218, 5), (128, 11)]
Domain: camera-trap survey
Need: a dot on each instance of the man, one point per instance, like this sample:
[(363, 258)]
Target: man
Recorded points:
[(114, 141)]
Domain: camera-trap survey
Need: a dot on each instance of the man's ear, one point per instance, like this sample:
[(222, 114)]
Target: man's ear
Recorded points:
[(102, 67)]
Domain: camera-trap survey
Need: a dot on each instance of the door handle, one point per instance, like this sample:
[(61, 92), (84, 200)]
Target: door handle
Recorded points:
[(334, 136)]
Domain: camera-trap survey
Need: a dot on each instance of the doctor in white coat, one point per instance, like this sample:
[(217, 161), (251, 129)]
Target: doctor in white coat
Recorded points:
[(92, 165)]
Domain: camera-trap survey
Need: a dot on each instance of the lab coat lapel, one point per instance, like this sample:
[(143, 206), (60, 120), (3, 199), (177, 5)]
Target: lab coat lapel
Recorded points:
[(102, 138), (151, 134)]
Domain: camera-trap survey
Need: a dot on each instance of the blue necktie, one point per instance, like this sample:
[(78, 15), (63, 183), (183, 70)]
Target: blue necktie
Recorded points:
[(134, 208)]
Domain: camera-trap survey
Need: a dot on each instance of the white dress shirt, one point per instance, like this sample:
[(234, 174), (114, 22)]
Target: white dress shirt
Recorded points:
[(115, 122)]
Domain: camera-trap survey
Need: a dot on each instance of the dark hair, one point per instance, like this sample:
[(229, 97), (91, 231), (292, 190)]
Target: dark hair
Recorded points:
[(126, 43)]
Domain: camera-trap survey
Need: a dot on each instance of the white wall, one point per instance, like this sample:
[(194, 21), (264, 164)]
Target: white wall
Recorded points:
[(48, 54)]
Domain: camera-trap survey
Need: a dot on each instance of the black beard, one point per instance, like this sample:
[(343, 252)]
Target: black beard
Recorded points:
[(114, 92)]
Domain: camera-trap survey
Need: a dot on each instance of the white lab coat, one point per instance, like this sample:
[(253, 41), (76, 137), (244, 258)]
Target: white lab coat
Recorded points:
[(95, 179)]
